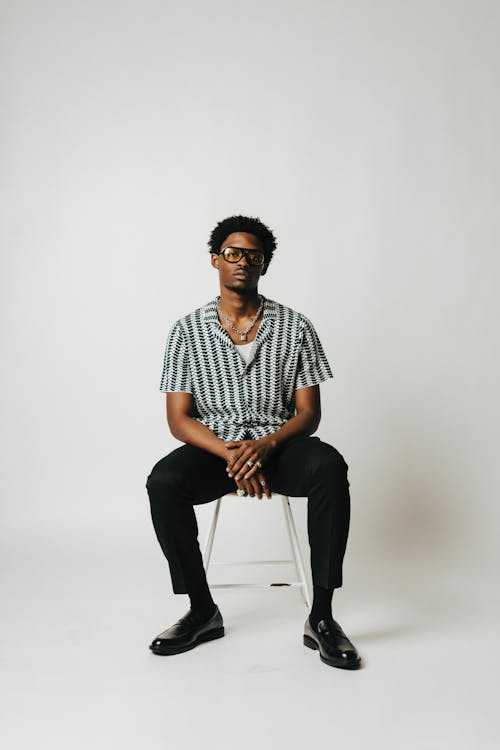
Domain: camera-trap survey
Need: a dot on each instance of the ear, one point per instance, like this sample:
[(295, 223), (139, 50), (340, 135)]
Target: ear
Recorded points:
[(213, 261)]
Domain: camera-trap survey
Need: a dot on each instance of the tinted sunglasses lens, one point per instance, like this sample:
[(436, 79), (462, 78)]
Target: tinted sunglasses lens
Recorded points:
[(256, 259), (234, 254)]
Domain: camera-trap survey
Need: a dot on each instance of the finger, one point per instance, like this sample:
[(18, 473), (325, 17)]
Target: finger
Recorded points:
[(251, 470), (232, 460), (250, 473), (249, 487), (265, 485), (237, 450), (241, 486), (245, 470), (257, 486), (239, 463)]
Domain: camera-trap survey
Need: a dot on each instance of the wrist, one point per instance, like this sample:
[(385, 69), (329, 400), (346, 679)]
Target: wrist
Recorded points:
[(271, 441), (222, 453)]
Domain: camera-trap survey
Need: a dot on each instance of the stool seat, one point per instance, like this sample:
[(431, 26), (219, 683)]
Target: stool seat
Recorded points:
[(296, 557)]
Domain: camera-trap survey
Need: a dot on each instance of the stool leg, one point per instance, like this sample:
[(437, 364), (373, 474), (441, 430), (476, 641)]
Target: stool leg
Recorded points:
[(207, 549), (297, 556)]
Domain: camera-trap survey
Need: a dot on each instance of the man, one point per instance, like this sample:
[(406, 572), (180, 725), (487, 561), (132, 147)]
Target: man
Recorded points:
[(242, 375)]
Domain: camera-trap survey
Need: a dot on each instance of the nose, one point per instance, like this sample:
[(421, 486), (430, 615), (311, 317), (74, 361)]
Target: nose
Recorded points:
[(244, 258)]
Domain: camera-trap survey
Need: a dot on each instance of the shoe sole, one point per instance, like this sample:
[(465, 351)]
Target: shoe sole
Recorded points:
[(311, 643), (210, 635)]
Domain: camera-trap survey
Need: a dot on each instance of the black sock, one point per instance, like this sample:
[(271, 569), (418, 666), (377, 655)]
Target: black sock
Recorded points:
[(201, 600), (322, 604)]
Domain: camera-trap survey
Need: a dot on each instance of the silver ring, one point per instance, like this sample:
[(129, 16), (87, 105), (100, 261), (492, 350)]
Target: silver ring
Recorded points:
[(240, 492), (259, 464), (250, 463), (263, 482)]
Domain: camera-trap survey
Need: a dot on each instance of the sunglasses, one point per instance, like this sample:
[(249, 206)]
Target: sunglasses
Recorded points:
[(234, 254)]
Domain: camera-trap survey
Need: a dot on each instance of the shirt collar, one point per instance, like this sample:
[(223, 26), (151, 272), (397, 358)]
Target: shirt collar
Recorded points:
[(209, 311), (269, 313)]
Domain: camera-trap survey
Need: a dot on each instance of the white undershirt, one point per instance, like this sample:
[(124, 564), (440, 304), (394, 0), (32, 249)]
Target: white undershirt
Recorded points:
[(244, 350)]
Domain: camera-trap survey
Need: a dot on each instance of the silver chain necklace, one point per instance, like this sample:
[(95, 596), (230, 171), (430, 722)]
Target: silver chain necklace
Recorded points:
[(243, 334)]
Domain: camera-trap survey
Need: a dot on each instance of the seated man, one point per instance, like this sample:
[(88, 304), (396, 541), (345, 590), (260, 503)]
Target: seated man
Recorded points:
[(242, 375)]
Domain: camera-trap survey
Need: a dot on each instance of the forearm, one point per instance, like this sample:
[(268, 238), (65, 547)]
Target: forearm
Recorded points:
[(189, 430), (304, 423)]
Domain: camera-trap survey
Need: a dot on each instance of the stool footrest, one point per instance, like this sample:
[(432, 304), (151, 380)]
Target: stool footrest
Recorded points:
[(251, 562), (252, 585)]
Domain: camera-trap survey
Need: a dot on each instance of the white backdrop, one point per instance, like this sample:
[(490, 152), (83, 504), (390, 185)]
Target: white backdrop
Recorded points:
[(365, 134)]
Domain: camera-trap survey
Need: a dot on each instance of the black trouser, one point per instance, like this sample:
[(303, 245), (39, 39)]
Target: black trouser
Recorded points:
[(303, 466)]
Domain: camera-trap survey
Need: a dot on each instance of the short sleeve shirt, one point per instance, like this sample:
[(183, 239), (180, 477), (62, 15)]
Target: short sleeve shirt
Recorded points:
[(237, 399)]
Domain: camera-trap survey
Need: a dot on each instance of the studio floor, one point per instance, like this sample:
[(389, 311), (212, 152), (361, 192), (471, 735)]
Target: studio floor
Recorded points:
[(79, 614)]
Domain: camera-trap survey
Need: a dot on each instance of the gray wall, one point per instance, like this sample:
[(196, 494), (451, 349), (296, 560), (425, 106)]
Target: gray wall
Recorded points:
[(366, 135)]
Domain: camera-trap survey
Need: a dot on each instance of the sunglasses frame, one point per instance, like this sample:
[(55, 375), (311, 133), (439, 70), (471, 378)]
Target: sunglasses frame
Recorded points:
[(244, 251)]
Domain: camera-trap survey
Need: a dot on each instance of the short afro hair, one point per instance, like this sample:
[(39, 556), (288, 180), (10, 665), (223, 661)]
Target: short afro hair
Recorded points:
[(250, 224)]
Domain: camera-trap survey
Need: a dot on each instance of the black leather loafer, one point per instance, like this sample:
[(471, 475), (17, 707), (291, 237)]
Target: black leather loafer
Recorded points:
[(187, 633), (334, 646)]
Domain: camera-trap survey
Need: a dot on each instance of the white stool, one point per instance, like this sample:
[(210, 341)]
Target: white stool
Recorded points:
[(294, 545)]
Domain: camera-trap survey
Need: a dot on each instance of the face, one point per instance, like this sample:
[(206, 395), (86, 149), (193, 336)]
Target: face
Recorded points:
[(241, 276)]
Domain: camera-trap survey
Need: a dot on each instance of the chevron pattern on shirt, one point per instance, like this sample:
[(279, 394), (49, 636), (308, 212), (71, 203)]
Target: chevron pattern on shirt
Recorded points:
[(234, 398)]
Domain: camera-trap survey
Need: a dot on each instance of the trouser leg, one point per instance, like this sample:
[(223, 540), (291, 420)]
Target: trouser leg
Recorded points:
[(305, 466), (185, 477)]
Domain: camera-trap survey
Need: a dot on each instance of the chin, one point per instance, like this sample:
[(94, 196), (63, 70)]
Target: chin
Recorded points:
[(243, 289)]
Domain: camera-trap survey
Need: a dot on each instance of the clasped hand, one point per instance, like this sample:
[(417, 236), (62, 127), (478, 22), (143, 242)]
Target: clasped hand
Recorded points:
[(250, 479)]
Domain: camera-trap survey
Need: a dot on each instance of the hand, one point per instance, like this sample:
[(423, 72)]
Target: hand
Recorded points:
[(255, 485), (250, 479), (241, 451)]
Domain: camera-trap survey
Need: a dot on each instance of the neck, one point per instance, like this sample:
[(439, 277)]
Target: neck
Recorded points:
[(239, 305)]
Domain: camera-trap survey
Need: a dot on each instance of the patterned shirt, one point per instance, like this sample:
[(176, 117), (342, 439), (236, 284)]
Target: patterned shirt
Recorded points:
[(237, 399)]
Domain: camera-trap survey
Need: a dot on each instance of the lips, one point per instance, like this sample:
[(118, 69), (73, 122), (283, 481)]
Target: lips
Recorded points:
[(241, 275)]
